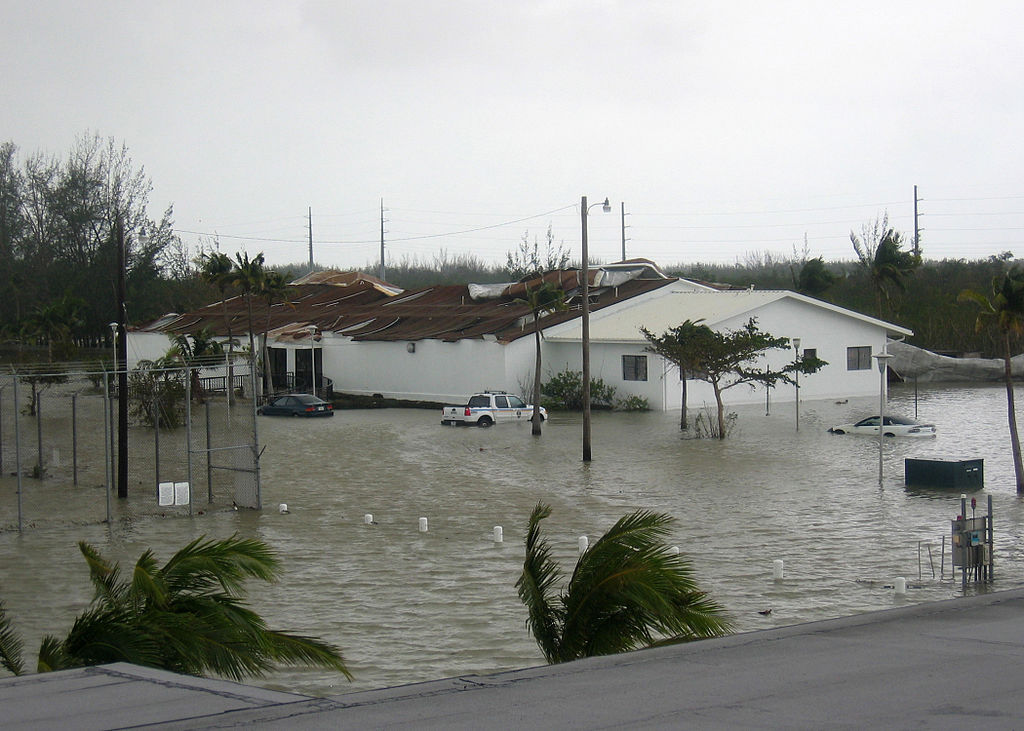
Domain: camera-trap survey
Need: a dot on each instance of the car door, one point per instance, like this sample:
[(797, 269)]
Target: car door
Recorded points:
[(501, 410), (868, 426), (519, 408)]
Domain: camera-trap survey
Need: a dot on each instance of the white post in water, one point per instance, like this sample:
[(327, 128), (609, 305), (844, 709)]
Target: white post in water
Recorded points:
[(423, 525), (368, 518), (498, 537), (901, 586), (778, 573)]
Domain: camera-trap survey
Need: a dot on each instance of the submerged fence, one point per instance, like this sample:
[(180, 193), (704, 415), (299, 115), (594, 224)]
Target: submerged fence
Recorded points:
[(187, 449)]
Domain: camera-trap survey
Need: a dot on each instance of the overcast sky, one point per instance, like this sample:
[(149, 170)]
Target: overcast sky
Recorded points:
[(725, 128)]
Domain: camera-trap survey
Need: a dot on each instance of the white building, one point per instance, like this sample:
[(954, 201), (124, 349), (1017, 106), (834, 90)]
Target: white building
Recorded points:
[(443, 343)]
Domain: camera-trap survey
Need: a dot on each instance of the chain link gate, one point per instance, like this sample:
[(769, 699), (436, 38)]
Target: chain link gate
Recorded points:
[(59, 444)]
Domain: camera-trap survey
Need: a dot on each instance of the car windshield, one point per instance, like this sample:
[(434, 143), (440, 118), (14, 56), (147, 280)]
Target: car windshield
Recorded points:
[(870, 421), (516, 403)]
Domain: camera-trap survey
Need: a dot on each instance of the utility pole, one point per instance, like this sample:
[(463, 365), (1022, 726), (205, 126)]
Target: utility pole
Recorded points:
[(381, 273), (122, 375), (623, 231), (917, 231), (311, 239)]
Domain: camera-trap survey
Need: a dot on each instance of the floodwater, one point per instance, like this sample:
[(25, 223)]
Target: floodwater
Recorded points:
[(410, 606)]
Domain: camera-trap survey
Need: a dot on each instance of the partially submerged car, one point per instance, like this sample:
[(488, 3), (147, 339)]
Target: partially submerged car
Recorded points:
[(297, 404), (893, 426), (488, 408)]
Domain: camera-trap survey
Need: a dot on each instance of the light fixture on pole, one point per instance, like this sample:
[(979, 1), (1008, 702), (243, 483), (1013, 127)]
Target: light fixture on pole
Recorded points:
[(796, 351), (312, 357), (883, 366), (585, 319)]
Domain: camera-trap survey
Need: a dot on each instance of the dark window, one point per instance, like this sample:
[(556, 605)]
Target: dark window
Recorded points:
[(634, 368), (501, 402), (478, 401), (858, 358), (809, 353), (516, 403)]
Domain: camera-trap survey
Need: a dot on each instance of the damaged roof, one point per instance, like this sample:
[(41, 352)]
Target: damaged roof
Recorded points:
[(363, 311)]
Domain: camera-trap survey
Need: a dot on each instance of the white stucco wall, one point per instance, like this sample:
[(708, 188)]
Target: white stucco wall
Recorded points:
[(434, 371), (828, 332)]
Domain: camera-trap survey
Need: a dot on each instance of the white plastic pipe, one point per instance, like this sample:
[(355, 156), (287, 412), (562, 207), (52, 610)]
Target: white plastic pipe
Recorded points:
[(498, 537), (368, 518), (423, 525), (901, 585), (778, 569)]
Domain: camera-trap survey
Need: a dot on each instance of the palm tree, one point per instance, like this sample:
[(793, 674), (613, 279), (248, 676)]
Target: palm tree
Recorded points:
[(1005, 313), (628, 590), (881, 257), (196, 350), (548, 297), (187, 616), (273, 289), (248, 277), (217, 269)]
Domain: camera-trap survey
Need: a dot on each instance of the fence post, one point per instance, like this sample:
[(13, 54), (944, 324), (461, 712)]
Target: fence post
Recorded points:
[(188, 434), (74, 439), (17, 447), (209, 457)]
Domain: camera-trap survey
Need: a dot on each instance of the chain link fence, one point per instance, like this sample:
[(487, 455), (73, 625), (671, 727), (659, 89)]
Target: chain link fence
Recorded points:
[(189, 444)]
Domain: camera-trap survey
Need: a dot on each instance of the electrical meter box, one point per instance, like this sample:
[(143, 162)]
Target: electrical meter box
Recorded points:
[(970, 544)]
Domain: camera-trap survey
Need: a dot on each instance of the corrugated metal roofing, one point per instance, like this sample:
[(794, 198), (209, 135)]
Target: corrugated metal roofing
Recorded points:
[(362, 311)]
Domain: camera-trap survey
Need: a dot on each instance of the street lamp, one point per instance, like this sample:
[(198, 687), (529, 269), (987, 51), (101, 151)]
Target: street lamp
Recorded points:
[(312, 357), (585, 291), (796, 351), (883, 365)]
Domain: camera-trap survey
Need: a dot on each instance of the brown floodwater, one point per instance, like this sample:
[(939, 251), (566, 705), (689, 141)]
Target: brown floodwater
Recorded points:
[(409, 606)]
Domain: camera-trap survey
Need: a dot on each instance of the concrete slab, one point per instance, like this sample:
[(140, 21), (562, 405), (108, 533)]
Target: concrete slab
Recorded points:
[(940, 665)]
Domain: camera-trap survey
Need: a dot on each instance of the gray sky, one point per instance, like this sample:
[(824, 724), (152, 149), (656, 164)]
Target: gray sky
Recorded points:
[(726, 128)]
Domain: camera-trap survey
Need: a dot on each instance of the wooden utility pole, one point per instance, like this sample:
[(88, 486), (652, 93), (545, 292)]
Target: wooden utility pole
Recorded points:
[(382, 272), (917, 231), (122, 356), (623, 205), (311, 239)]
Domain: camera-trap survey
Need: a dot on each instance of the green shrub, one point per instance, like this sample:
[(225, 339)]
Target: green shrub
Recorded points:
[(632, 403), (564, 391)]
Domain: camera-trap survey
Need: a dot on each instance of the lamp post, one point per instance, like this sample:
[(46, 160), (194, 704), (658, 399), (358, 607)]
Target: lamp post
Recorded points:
[(585, 292), (312, 357), (796, 351), (883, 364)]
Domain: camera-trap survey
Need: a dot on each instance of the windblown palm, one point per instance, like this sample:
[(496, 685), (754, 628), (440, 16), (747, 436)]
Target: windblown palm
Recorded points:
[(1005, 313), (187, 616), (546, 298), (628, 590), (248, 277)]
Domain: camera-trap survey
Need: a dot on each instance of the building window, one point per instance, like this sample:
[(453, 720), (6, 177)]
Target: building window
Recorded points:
[(809, 353), (858, 358), (634, 368)]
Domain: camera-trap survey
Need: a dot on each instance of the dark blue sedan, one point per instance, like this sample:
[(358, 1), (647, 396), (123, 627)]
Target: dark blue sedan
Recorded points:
[(297, 404)]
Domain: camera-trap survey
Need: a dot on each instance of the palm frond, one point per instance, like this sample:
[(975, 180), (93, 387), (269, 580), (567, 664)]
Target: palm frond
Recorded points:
[(540, 573), (630, 590), (10, 645)]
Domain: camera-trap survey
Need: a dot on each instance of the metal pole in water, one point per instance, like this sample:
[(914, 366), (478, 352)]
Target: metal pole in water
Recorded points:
[(74, 439), (209, 457), (108, 441), (188, 434), (156, 440), (17, 447)]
